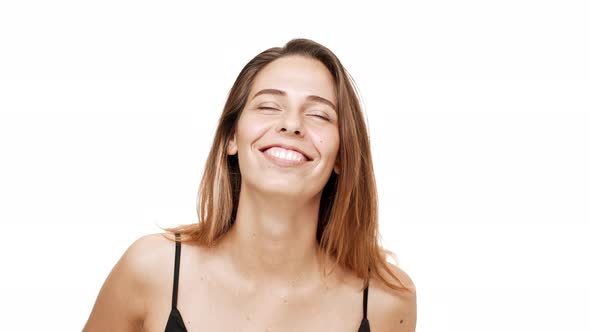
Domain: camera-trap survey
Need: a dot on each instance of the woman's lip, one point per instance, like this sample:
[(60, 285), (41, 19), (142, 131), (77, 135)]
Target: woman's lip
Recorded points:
[(283, 162)]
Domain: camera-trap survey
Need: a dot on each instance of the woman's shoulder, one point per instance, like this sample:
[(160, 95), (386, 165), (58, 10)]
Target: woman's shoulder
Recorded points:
[(147, 256), (148, 250), (389, 307), (153, 253), (402, 278), (123, 299)]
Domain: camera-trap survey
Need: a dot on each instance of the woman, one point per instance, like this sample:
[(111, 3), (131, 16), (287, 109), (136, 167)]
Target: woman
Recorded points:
[(287, 236)]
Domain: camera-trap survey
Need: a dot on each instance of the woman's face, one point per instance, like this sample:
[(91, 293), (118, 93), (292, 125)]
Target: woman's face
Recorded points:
[(298, 112)]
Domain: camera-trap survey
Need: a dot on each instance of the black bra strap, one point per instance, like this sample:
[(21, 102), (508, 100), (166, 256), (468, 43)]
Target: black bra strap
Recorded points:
[(365, 298), (176, 271)]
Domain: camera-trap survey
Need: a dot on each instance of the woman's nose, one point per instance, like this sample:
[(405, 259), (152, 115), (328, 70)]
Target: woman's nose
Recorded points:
[(291, 123)]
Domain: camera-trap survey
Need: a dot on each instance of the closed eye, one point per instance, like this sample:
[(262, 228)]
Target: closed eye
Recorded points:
[(272, 108), (322, 117)]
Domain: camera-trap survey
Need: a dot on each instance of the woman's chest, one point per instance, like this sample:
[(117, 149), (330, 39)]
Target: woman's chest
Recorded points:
[(212, 309)]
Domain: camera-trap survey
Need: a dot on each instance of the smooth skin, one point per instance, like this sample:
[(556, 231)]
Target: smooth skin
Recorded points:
[(264, 274)]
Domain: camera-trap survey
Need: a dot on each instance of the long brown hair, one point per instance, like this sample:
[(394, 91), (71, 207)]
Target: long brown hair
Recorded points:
[(347, 225)]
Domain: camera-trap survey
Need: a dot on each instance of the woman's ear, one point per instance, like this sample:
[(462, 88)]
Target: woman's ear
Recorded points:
[(232, 145), (337, 165)]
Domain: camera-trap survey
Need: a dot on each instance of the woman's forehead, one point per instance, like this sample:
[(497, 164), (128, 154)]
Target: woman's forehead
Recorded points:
[(296, 77)]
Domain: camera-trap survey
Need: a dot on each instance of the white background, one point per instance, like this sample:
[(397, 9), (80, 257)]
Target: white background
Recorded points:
[(479, 116)]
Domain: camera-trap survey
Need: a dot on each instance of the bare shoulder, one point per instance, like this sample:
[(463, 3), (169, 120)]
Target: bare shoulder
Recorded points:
[(147, 254), (122, 302), (145, 258), (392, 310)]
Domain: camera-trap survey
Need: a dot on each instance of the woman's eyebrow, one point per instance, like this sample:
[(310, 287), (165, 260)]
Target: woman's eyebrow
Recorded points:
[(282, 93)]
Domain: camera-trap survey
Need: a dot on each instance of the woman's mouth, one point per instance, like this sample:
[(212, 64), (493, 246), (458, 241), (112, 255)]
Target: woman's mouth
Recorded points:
[(284, 157)]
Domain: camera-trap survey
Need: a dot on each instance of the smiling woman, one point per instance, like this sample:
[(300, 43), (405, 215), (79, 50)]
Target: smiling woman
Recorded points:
[(287, 237)]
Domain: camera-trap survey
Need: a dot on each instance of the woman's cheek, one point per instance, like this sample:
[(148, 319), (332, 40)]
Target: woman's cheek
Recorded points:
[(329, 142)]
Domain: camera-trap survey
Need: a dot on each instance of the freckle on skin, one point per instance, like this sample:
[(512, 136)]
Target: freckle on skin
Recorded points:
[(401, 321)]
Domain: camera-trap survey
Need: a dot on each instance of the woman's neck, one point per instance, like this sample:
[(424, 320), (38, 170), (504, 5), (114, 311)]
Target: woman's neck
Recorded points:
[(273, 242)]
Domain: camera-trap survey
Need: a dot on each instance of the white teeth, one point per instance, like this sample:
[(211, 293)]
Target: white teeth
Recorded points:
[(285, 154)]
